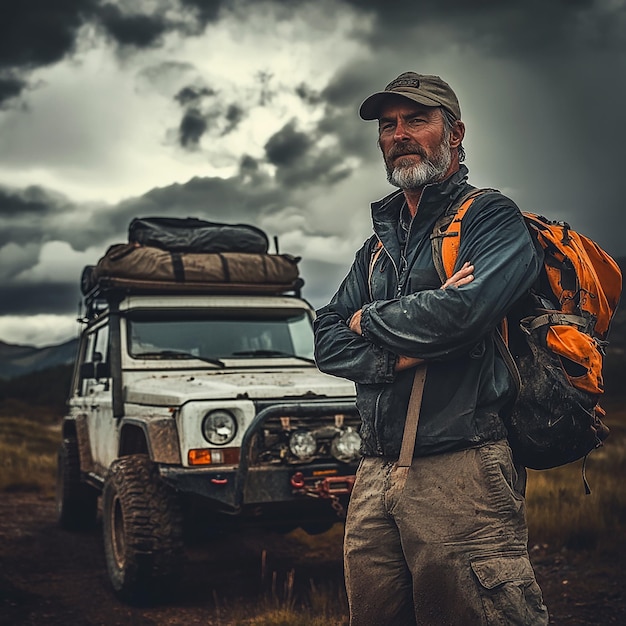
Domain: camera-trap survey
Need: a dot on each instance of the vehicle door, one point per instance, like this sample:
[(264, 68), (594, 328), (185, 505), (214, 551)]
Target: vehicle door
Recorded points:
[(96, 391)]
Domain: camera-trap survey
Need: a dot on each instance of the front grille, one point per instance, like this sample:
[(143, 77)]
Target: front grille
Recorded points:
[(270, 444)]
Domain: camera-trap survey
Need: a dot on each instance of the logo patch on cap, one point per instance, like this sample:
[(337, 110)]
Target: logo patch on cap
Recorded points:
[(403, 81)]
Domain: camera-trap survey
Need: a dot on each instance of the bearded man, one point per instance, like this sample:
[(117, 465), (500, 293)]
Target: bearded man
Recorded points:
[(442, 538)]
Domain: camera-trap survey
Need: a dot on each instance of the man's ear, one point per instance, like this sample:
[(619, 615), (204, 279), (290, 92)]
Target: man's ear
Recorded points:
[(457, 134)]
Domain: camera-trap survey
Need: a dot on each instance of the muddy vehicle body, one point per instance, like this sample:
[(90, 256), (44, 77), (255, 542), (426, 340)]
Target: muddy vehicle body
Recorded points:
[(199, 412)]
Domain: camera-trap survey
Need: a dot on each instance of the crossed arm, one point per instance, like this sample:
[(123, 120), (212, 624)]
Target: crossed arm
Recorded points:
[(461, 277)]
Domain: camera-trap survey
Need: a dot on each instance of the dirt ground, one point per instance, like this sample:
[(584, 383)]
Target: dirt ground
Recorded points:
[(49, 576)]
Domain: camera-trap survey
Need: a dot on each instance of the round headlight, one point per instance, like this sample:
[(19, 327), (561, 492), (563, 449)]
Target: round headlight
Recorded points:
[(346, 446), (302, 444), (219, 427)]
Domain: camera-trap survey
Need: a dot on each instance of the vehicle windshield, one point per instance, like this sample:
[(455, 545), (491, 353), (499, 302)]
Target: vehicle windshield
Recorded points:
[(212, 336)]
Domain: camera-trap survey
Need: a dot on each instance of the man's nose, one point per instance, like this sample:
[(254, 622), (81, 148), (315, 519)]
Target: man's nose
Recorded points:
[(401, 132)]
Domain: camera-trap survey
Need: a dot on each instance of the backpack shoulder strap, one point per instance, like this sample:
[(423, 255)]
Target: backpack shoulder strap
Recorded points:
[(446, 236), (378, 248)]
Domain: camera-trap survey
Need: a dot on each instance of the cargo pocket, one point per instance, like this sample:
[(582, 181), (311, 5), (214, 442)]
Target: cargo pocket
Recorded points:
[(509, 592)]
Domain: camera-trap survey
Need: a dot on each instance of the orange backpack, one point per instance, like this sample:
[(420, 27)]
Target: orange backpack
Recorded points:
[(560, 338)]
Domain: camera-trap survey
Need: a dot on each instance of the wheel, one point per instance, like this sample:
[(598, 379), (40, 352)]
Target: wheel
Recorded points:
[(142, 525), (77, 503)]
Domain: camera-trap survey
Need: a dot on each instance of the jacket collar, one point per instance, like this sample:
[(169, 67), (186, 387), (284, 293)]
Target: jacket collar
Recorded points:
[(387, 210), (435, 199)]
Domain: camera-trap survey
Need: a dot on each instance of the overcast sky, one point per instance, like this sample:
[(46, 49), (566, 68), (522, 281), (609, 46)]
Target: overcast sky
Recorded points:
[(245, 111)]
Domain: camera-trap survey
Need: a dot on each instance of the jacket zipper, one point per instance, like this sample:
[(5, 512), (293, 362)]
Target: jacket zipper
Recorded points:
[(406, 243), (403, 259)]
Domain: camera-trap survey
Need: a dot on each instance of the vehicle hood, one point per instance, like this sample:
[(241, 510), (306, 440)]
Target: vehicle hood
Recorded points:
[(173, 389)]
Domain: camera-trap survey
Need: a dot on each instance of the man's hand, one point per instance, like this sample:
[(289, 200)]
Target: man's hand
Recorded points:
[(355, 322), (461, 277)]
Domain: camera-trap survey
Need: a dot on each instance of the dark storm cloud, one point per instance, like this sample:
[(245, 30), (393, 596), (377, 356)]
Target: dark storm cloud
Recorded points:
[(34, 33), (299, 161), (287, 145), (27, 216), (192, 95), (248, 164), (196, 121), (205, 10), (40, 32), (218, 199), (343, 94), (351, 83), (136, 30), (529, 27), (234, 115), (215, 199), (34, 215), (31, 299), (10, 87), (308, 95), (31, 201), (192, 127)]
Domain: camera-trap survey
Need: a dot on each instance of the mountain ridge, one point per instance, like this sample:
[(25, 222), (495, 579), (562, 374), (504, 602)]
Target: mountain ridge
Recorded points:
[(19, 359)]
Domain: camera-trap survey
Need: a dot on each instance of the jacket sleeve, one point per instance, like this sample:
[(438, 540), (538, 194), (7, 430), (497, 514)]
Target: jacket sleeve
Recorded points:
[(340, 351), (444, 323)]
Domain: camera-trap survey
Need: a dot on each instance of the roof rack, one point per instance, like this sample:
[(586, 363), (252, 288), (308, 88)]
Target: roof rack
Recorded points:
[(109, 289)]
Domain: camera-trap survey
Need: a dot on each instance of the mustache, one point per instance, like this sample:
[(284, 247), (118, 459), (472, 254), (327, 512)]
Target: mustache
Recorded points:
[(406, 148)]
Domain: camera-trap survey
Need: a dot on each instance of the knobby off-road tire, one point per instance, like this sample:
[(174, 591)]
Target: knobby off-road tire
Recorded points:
[(142, 525), (77, 503)]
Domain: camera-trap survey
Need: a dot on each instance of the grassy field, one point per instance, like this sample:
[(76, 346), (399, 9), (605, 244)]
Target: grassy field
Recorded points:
[(280, 606), (560, 515), (28, 451)]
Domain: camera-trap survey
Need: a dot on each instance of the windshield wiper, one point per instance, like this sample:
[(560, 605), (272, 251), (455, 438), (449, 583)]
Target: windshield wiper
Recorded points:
[(175, 354), (262, 353)]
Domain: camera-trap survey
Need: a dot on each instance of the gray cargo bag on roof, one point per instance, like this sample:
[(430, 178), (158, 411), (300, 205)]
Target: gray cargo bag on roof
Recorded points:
[(195, 235)]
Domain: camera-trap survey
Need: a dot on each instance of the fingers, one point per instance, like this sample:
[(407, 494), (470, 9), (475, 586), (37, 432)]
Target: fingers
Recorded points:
[(355, 322), (461, 277), (406, 362)]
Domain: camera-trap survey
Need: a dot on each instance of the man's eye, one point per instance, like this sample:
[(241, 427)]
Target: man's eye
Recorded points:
[(385, 128), (415, 121)]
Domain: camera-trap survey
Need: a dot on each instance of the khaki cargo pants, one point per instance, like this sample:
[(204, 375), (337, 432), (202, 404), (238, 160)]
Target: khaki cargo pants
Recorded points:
[(446, 547)]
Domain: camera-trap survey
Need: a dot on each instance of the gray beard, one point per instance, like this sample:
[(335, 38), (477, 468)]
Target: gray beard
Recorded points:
[(416, 175)]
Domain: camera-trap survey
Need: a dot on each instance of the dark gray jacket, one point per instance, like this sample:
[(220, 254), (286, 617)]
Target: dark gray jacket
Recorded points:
[(405, 312)]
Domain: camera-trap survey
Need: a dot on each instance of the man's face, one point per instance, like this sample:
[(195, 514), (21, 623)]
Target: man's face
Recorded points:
[(415, 146)]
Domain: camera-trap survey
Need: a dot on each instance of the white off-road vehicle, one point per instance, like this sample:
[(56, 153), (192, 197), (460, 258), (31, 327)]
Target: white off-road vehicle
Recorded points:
[(205, 407)]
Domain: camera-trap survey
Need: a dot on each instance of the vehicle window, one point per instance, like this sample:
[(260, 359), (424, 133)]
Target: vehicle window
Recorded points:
[(229, 335)]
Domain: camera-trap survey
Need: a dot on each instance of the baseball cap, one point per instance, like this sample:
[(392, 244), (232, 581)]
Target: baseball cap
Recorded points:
[(426, 89)]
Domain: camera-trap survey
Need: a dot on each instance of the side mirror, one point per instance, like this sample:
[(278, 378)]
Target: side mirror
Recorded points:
[(87, 370), (95, 369), (102, 370)]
